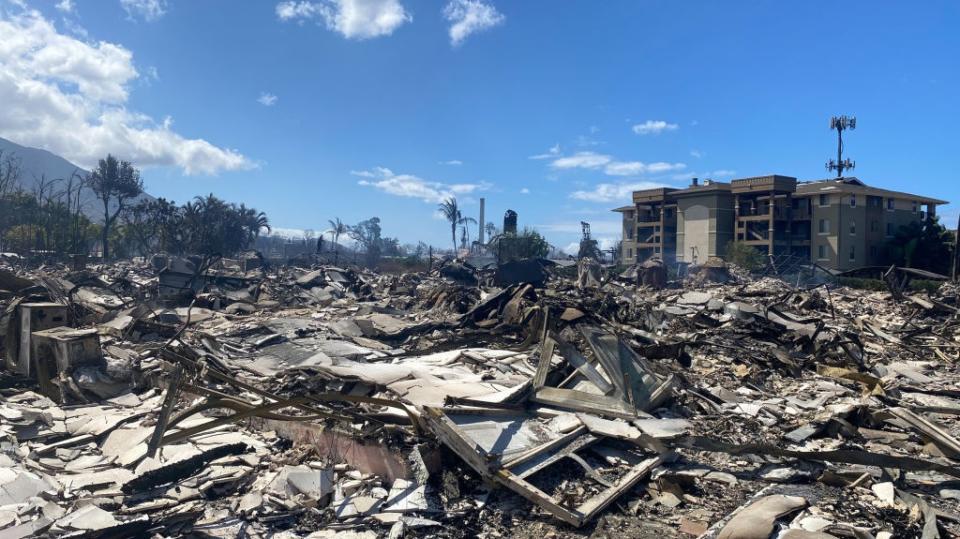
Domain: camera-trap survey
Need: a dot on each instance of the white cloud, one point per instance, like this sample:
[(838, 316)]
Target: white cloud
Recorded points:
[(452, 162), (469, 17), (68, 96), (551, 153), (696, 153), (653, 127), (636, 168), (66, 6), (148, 10), (613, 192), (354, 19), (408, 185), (267, 99), (612, 167), (524, 191), (590, 160)]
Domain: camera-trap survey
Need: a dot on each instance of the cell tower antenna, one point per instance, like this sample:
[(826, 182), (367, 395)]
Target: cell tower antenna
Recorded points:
[(841, 124)]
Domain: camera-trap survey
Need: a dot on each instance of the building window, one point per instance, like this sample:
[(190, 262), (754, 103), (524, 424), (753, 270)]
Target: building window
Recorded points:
[(629, 253), (822, 252), (853, 227), (824, 200), (873, 251), (656, 250), (630, 233), (824, 226), (889, 203), (889, 229), (874, 225), (668, 213), (853, 253), (853, 201), (914, 206)]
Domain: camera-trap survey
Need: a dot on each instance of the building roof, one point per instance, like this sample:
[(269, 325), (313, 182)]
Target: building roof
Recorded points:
[(705, 187), (852, 184), (623, 208)]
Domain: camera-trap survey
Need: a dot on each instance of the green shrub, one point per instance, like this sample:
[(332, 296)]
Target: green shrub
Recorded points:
[(745, 256)]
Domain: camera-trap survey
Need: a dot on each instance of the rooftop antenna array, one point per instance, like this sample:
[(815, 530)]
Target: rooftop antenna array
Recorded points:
[(841, 124)]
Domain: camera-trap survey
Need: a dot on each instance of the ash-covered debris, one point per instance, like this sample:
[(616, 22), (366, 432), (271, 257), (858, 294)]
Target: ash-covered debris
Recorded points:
[(204, 398)]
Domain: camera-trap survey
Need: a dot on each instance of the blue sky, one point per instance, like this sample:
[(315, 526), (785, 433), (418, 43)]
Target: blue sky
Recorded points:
[(556, 109)]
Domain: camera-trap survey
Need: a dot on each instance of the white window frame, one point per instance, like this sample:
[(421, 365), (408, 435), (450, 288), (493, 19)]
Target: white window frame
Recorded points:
[(823, 227), (822, 252)]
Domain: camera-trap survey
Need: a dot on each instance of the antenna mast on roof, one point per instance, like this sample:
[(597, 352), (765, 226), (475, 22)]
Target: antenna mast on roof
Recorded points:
[(585, 229), (841, 124)]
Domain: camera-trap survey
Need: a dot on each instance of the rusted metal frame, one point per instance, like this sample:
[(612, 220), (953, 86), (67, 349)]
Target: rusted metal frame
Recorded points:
[(531, 467), (594, 505), (325, 397), (581, 401), (258, 410), (217, 375), (551, 445), (573, 356), (217, 399), (477, 458), (591, 473)]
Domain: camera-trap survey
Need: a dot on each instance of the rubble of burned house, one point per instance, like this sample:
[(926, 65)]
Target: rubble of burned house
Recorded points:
[(180, 398)]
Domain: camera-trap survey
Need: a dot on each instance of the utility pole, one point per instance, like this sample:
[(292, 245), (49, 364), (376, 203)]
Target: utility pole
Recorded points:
[(956, 253), (841, 124)]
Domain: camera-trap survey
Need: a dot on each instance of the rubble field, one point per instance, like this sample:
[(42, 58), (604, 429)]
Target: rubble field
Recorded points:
[(190, 397)]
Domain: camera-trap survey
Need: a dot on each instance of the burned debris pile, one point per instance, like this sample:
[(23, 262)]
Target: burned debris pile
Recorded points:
[(222, 398)]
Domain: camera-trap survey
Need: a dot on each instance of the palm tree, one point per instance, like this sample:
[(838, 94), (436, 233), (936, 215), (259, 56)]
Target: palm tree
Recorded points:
[(451, 212), (336, 228), (253, 223), (464, 221)]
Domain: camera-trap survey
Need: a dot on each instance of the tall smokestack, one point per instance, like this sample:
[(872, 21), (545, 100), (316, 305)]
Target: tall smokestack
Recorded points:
[(482, 222)]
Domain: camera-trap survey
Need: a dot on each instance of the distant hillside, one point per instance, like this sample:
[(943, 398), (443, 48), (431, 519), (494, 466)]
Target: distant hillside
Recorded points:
[(36, 164)]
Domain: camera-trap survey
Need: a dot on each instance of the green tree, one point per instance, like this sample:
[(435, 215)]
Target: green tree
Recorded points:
[(451, 212), (367, 235), (115, 183), (589, 249), (923, 245), (527, 244), (745, 256)]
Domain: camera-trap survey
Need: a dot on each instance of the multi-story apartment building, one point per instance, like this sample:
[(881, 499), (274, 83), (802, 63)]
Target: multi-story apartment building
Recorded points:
[(839, 223)]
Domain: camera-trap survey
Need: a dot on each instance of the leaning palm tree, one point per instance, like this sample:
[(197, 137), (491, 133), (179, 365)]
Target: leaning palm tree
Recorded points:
[(336, 228), (451, 212)]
